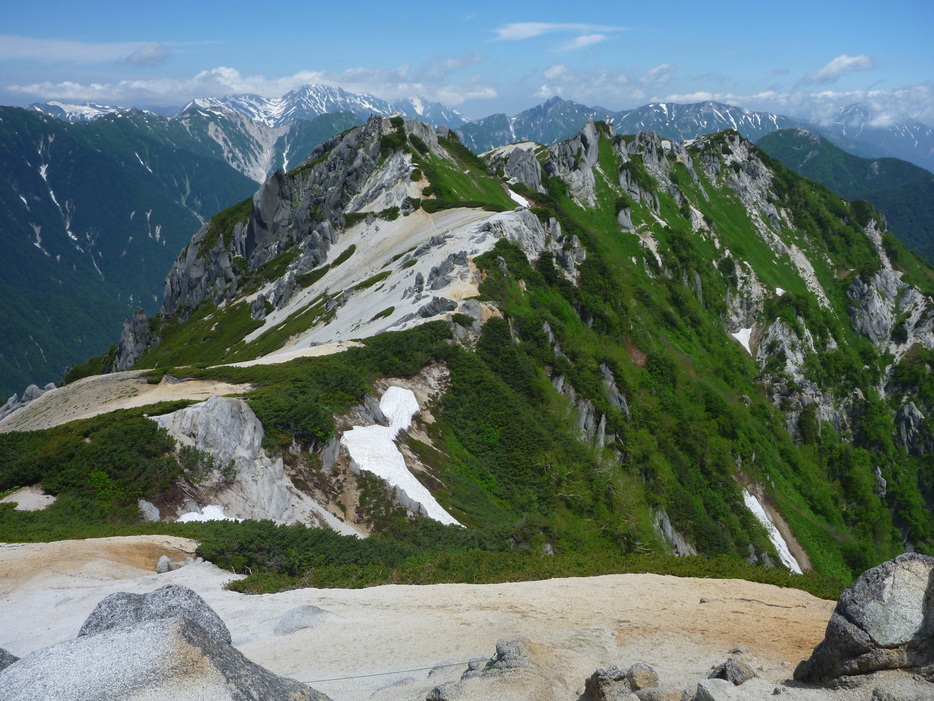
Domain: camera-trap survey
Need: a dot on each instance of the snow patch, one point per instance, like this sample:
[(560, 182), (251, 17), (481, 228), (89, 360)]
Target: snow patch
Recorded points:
[(743, 336), (784, 552), (517, 198), (208, 513), (779, 291), (373, 448)]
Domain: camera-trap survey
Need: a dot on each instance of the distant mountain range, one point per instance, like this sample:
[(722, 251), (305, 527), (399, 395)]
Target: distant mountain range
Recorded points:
[(307, 102), (557, 119), (900, 190)]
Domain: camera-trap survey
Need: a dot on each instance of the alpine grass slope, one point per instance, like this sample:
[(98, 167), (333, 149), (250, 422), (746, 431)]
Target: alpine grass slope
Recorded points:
[(606, 373), (903, 192)]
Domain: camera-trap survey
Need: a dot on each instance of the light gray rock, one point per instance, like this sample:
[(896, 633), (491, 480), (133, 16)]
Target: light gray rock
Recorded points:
[(911, 432), (679, 544), (719, 690), (298, 618), (258, 310), (884, 621), (30, 394), (149, 511), (574, 160), (122, 610), (163, 658), (608, 684), (514, 674)]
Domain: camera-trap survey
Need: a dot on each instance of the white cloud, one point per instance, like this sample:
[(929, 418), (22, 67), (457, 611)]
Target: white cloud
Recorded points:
[(516, 31), (389, 84), (583, 41), (152, 54), (18, 48), (660, 75), (822, 107), (832, 71), (602, 86)]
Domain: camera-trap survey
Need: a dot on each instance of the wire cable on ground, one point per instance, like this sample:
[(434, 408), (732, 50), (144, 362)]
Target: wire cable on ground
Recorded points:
[(401, 671)]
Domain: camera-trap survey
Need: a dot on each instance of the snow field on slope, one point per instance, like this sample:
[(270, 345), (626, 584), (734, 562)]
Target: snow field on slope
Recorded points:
[(784, 552), (373, 448)]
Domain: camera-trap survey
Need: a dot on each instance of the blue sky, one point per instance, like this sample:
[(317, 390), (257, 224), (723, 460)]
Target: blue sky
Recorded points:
[(799, 58)]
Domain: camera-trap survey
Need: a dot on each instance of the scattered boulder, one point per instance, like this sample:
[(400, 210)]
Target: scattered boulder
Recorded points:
[(166, 644), (515, 673), (884, 621), (298, 618), (608, 684), (166, 564), (733, 671), (642, 676), (640, 681)]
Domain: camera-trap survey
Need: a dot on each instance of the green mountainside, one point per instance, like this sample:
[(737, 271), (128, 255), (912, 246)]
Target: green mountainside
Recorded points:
[(608, 373), (94, 214), (903, 192)]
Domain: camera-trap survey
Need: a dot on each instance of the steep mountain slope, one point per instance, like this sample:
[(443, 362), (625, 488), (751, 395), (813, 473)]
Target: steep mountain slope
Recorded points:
[(903, 192), (662, 338), (92, 215)]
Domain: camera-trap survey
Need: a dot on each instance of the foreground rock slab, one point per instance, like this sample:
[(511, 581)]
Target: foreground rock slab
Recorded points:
[(166, 644)]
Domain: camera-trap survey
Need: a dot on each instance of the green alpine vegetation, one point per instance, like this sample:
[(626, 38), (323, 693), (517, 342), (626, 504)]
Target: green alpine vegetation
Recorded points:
[(903, 192), (604, 377)]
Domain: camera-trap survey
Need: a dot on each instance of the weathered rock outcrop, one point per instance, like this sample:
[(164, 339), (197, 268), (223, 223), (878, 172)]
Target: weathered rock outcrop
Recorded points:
[(519, 164), (305, 207), (134, 340), (166, 644), (516, 672), (248, 483), (30, 394), (574, 160), (884, 621)]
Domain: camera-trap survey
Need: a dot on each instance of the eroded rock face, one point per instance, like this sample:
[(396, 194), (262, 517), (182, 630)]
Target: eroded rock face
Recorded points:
[(884, 621), (166, 644), (247, 482), (134, 340)]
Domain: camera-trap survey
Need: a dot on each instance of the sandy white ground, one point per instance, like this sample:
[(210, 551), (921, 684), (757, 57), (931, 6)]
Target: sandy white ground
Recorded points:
[(30, 498), (47, 590)]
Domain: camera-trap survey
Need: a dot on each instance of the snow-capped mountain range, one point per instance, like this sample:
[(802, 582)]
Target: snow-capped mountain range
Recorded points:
[(307, 102)]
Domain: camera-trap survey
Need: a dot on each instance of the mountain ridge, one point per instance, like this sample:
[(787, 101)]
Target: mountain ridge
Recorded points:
[(663, 332)]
